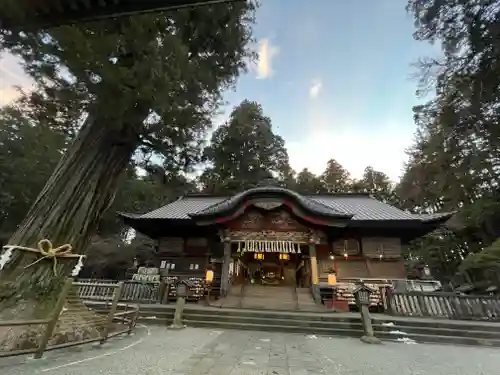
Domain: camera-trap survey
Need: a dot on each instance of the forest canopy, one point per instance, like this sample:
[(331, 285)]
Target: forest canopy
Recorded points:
[(454, 163)]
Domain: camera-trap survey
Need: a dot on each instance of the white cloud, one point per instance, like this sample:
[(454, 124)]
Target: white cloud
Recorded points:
[(315, 88), (266, 54), (345, 142), (8, 94), (12, 75)]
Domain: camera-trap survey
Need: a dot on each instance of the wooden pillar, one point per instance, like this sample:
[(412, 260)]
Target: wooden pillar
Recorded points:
[(314, 263), (224, 287), (314, 269)]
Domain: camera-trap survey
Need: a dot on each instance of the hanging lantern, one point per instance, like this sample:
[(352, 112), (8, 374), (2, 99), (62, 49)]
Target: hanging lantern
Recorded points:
[(284, 256), (381, 252), (345, 249), (209, 276), (332, 278), (258, 256)]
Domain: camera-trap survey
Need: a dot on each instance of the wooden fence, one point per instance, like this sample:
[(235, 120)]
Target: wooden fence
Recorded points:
[(442, 305), (131, 291), (69, 294)]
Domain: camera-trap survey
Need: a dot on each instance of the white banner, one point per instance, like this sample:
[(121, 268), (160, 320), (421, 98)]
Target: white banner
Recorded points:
[(269, 247)]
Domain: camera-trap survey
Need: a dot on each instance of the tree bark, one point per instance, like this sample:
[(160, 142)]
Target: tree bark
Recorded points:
[(67, 210)]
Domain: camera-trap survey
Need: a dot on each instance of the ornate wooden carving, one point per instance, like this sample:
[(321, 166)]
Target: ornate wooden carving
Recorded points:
[(268, 205), (320, 237), (270, 235), (224, 235), (279, 220)]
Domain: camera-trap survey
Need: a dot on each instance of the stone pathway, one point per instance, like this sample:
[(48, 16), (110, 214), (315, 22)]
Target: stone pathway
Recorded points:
[(209, 352)]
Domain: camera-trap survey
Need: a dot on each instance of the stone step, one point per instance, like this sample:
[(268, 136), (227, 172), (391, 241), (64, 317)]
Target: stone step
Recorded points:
[(284, 306), (337, 331), (268, 295), (332, 324), (394, 332)]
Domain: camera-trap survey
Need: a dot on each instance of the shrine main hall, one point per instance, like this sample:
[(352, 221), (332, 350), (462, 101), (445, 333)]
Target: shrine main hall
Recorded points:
[(271, 236)]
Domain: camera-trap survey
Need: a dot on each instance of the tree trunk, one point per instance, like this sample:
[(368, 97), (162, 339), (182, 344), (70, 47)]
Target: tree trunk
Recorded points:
[(67, 210)]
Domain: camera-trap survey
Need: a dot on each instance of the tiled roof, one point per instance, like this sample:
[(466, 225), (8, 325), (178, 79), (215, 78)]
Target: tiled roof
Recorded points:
[(307, 202), (182, 207), (363, 207), (432, 217)]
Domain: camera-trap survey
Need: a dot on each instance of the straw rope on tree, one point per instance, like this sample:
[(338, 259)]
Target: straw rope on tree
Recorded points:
[(47, 251)]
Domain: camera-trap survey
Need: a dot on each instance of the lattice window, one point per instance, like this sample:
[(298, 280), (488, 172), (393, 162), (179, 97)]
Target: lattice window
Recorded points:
[(346, 247)]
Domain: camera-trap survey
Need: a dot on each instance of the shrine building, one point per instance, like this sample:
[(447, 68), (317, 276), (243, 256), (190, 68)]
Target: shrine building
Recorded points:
[(273, 236)]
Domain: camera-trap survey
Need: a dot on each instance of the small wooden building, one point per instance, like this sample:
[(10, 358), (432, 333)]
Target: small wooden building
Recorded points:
[(276, 236)]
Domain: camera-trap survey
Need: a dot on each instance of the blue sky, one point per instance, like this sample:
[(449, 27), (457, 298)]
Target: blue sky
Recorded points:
[(336, 79), (333, 75)]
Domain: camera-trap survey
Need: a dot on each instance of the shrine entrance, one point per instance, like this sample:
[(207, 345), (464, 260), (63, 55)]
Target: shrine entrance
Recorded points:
[(270, 268), (268, 247), (269, 263)]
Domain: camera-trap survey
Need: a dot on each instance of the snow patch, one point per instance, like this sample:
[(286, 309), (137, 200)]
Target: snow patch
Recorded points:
[(398, 333), (5, 257), (406, 340)]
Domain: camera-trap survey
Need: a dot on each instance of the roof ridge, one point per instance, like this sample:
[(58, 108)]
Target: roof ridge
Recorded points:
[(213, 204), (206, 195), (368, 195), (326, 206), (303, 200)]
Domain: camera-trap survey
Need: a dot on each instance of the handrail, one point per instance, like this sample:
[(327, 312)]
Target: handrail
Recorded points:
[(10, 323), (443, 294), (103, 285), (443, 305)]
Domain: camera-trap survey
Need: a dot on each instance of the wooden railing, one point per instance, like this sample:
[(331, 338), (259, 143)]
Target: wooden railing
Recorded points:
[(103, 320), (442, 305), (132, 291), (146, 292)]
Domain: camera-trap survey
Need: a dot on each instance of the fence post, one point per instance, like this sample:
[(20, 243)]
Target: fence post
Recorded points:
[(389, 298), (112, 311), (133, 321), (51, 325)]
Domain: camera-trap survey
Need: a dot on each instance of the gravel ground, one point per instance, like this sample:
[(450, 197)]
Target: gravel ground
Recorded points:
[(210, 352)]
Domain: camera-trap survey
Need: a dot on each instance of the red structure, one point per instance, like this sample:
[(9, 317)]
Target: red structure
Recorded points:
[(275, 236)]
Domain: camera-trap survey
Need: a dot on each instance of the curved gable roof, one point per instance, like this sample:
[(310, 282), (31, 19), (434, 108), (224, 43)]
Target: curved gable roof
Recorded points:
[(360, 207), (311, 205)]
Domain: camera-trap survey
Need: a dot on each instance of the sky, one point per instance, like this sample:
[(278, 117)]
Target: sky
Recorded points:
[(335, 77)]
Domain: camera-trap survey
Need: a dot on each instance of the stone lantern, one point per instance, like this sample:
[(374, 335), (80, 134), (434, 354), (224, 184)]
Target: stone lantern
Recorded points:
[(362, 295), (182, 290)]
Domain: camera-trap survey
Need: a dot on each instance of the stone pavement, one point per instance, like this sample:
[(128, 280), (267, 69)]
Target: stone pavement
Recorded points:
[(196, 351)]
